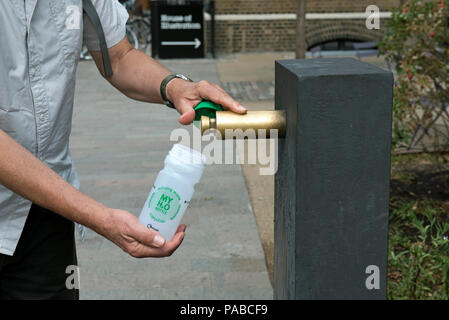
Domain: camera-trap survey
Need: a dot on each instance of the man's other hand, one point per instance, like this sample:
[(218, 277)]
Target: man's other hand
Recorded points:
[(125, 230)]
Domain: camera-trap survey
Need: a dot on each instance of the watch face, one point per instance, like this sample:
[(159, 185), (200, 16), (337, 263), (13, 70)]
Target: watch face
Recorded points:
[(183, 77)]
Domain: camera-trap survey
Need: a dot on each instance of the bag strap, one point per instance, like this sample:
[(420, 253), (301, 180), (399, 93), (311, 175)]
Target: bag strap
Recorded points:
[(89, 9)]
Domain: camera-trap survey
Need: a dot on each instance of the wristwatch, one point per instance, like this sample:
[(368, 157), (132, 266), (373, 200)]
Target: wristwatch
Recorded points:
[(164, 87)]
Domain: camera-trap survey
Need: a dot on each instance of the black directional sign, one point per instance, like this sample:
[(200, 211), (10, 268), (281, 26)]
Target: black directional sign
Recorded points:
[(177, 30)]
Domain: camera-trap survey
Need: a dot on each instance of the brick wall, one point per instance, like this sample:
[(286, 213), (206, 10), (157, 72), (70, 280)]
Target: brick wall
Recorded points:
[(254, 6), (279, 35), (259, 36), (289, 6), (251, 36)]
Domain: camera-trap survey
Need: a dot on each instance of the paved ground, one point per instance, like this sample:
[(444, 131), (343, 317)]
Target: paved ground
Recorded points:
[(250, 77), (119, 146)]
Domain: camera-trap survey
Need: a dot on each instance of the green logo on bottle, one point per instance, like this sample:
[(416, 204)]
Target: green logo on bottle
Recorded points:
[(164, 204)]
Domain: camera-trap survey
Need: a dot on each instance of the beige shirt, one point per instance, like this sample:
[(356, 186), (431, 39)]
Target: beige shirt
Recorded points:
[(40, 44)]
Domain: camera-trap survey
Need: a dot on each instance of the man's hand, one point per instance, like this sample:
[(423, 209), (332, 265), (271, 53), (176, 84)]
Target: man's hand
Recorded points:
[(185, 95), (139, 77), (125, 230)]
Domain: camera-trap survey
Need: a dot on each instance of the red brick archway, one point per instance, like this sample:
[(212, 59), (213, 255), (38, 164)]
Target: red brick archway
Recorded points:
[(324, 31)]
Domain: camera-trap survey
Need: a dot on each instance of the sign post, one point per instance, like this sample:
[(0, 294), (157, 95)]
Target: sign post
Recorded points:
[(177, 30)]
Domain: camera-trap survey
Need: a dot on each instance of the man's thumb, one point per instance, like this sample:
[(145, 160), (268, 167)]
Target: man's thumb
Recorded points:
[(187, 117), (149, 237)]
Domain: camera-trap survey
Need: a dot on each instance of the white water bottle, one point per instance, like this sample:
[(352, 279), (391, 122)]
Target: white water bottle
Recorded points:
[(172, 190)]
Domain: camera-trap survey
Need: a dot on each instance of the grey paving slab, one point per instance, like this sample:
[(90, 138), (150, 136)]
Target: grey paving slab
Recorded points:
[(119, 146)]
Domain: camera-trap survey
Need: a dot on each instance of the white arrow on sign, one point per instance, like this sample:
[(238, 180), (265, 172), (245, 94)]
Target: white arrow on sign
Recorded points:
[(195, 43)]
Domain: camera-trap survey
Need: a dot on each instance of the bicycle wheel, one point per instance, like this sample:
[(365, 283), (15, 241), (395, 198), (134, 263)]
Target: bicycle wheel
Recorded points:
[(143, 29), (84, 54), (132, 37)]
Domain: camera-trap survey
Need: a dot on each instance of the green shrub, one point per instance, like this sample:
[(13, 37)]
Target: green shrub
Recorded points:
[(417, 44), (418, 260)]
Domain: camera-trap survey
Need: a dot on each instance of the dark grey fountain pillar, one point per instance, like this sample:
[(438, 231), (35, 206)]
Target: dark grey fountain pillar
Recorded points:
[(332, 185)]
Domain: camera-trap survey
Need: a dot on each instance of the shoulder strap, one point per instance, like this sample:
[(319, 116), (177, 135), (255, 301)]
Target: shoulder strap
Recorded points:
[(89, 8)]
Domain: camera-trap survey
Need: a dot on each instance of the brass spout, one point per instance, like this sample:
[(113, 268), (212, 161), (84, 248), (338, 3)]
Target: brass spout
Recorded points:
[(233, 125)]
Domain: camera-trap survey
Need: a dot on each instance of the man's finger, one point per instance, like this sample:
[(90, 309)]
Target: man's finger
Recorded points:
[(181, 228), (212, 93), (218, 87)]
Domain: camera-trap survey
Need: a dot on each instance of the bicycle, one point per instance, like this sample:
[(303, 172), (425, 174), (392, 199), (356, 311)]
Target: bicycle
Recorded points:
[(139, 22), (130, 35)]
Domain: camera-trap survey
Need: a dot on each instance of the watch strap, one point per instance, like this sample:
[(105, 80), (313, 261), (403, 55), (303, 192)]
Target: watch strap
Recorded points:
[(164, 84)]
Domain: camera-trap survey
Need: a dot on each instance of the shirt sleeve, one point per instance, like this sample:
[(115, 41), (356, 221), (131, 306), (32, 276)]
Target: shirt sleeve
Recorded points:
[(113, 17)]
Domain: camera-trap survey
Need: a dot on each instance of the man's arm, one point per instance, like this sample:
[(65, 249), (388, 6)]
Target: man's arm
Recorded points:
[(23, 173), (139, 76)]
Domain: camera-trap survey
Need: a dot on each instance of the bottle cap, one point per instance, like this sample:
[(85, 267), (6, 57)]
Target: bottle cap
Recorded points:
[(206, 108)]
